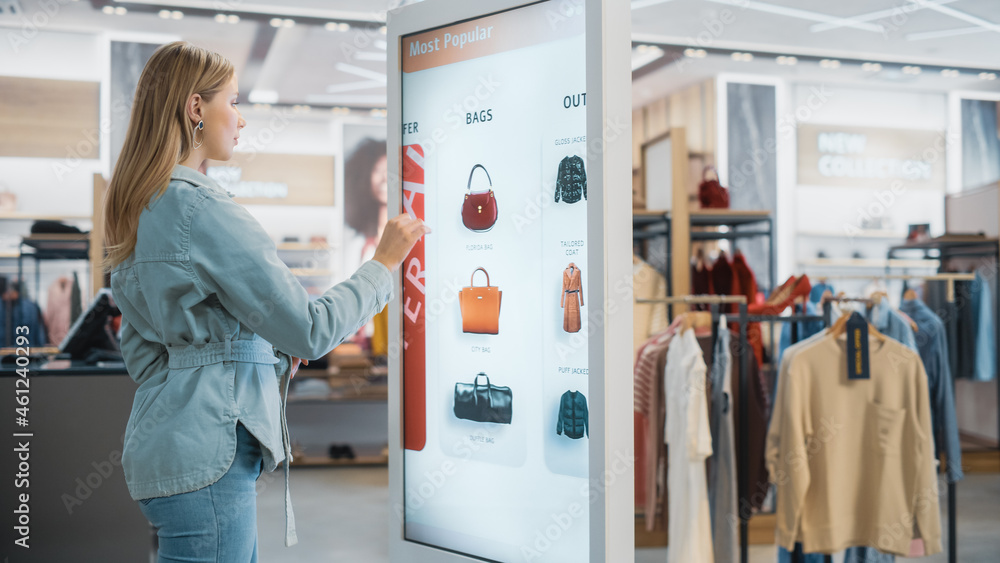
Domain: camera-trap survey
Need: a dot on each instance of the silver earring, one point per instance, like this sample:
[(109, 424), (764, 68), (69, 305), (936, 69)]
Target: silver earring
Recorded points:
[(194, 140)]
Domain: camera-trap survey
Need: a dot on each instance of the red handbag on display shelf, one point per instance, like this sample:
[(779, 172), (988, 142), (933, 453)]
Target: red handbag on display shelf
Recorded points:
[(711, 194), (479, 210)]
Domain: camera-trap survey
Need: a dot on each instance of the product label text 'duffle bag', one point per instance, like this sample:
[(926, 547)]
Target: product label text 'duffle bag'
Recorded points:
[(480, 306), (479, 210), (483, 403)]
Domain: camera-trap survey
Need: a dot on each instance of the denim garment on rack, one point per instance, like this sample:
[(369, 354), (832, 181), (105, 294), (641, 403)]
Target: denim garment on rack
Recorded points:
[(785, 556), (985, 365), (806, 330), (962, 326), (890, 323), (852, 555), (867, 555), (817, 291), (23, 312), (932, 345)]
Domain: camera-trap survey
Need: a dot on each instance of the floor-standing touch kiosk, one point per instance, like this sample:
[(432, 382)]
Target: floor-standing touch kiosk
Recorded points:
[(511, 395)]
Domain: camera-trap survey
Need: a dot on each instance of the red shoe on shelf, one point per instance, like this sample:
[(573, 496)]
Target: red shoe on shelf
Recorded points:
[(782, 290), (782, 297)]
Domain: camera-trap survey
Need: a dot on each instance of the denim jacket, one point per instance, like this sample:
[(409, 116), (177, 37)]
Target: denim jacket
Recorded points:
[(932, 343), (210, 316)]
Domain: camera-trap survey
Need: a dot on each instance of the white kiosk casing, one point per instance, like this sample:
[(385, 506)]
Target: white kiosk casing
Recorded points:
[(465, 490)]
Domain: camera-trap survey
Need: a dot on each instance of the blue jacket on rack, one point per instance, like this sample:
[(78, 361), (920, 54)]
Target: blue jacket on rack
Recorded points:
[(932, 344), (24, 312)]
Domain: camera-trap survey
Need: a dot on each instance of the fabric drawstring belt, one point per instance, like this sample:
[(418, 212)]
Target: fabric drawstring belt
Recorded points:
[(291, 538), (255, 351), (251, 351)]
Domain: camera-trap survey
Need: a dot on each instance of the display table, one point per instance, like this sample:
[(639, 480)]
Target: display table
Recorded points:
[(78, 506)]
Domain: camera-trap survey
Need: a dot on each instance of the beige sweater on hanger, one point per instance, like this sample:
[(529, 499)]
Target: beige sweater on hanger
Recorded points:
[(854, 459)]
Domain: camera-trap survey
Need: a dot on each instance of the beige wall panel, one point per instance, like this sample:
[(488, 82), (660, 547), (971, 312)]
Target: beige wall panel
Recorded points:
[(638, 137), (657, 119), (49, 118), (97, 237), (277, 179), (680, 220)]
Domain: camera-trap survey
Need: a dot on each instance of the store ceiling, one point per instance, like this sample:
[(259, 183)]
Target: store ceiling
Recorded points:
[(961, 35), (343, 63)]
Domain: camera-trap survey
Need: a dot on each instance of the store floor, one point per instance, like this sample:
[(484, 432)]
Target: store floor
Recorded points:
[(342, 516)]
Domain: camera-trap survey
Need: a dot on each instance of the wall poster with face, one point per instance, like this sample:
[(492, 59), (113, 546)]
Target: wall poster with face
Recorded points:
[(365, 192)]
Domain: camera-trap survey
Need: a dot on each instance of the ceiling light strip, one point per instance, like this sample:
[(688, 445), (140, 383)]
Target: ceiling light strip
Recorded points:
[(872, 16), (959, 15), (796, 13), (675, 50), (374, 16), (945, 33), (640, 4)]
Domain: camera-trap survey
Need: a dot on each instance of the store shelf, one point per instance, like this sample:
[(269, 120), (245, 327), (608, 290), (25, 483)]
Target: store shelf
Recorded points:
[(704, 217), (868, 263), (311, 372), (59, 243), (949, 242), (728, 217), (728, 235), (888, 235), (301, 246), (311, 272), (316, 461), (642, 219), (343, 372), (373, 395), (33, 217)]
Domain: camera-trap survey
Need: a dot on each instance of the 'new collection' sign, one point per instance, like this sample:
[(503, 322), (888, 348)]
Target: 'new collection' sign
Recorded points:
[(868, 157)]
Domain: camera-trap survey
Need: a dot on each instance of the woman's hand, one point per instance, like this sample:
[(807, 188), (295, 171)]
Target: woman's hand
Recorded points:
[(399, 236), (295, 365)]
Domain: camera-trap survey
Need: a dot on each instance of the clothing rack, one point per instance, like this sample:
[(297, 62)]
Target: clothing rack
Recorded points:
[(962, 246), (829, 301), (696, 300), (743, 318), (742, 434), (949, 279)]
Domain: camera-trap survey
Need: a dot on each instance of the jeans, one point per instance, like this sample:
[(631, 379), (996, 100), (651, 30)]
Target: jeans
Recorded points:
[(217, 523)]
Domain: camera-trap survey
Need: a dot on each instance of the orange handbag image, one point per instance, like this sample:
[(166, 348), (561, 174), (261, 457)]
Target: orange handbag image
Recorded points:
[(480, 306)]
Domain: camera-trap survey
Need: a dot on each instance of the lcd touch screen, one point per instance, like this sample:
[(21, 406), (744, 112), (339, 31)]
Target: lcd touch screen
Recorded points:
[(495, 308)]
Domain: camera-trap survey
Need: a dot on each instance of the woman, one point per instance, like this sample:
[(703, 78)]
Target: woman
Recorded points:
[(212, 319)]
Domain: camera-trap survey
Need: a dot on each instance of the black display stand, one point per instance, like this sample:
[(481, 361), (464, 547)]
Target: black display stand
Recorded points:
[(645, 227)]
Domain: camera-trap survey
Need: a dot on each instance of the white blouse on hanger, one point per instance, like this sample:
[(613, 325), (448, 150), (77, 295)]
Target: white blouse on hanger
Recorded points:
[(689, 443)]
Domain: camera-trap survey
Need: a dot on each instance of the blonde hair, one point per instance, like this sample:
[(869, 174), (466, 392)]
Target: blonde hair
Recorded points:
[(159, 136)]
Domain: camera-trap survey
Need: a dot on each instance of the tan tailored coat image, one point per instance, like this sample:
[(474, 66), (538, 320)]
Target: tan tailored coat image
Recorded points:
[(572, 298)]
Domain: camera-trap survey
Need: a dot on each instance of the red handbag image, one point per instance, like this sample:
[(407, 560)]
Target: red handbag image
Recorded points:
[(479, 210)]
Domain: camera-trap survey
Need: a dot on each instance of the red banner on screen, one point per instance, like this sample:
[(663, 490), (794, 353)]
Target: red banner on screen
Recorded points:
[(414, 292)]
